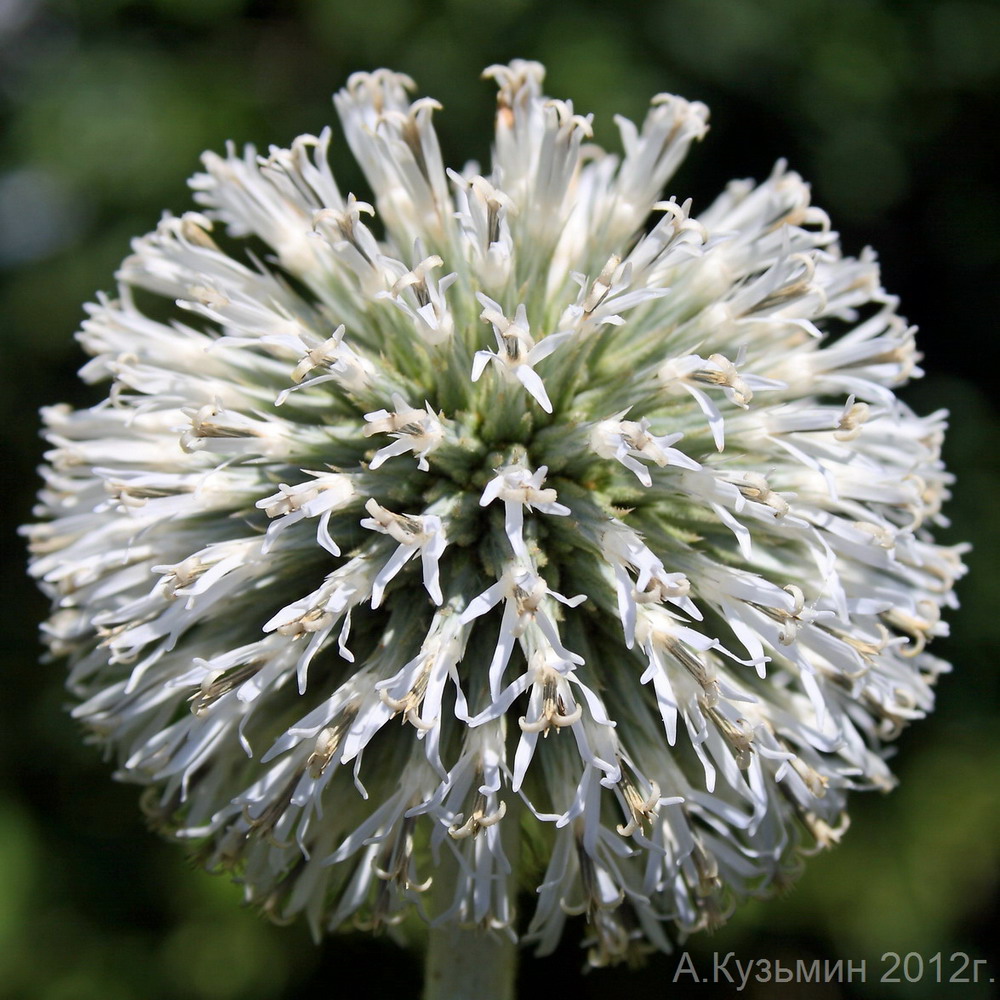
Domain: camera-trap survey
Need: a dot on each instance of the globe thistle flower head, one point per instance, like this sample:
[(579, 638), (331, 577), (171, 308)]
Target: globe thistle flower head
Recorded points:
[(514, 530)]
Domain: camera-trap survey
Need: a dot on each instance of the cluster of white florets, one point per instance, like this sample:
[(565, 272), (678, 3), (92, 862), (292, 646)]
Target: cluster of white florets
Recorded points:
[(510, 466)]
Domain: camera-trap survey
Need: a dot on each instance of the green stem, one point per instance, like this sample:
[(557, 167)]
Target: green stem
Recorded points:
[(469, 964)]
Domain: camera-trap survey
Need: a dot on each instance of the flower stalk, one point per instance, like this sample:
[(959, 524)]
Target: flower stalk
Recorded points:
[(469, 964)]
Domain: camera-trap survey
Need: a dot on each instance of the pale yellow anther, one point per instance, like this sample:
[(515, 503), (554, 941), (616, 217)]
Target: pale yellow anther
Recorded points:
[(554, 711), (642, 810), (602, 285), (850, 424), (919, 627), (478, 820), (314, 620)]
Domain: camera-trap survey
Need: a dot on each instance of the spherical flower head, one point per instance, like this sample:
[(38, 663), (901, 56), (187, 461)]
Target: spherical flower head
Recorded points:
[(492, 520)]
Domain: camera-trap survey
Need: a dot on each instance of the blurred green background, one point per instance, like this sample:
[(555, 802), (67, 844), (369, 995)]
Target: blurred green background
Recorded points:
[(889, 108)]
